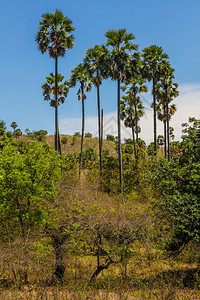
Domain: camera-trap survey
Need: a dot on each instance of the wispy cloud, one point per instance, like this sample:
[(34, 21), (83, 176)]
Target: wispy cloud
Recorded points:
[(188, 105)]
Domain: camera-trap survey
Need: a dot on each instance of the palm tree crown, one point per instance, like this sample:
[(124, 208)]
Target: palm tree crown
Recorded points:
[(49, 89), (122, 62), (53, 34)]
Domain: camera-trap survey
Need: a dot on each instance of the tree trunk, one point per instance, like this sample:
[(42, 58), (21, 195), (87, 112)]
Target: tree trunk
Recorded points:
[(133, 135), (99, 126), (101, 142), (165, 137), (83, 127), (57, 136), (168, 141), (99, 269), (136, 124), (119, 137), (154, 117), (58, 242)]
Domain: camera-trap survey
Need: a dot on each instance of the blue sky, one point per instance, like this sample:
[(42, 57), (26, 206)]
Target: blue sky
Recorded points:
[(173, 25)]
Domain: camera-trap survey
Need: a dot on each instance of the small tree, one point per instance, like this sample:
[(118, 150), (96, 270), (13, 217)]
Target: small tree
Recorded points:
[(17, 133), (2, 127), (77, 134), (160, 141), (110, 137), (14, 125), (64, 140), (88, 135)]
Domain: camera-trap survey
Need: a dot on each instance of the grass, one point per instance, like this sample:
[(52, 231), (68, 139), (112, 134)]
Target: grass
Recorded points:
[(148, 274)]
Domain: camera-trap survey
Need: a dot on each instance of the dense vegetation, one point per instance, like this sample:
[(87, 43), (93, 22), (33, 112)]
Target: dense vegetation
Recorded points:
[(57, 230), (111, 220)]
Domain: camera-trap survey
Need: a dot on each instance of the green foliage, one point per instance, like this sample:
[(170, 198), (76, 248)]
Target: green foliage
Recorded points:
[(14, 125), (2, 127), (54, 34), (28, 173), (150, 149), (64, 140), (71, 161), (49, 88), (40, 134), (77, 134), (110, 137), (128, 141), (88, 135), (17, 132), (88, 158), (179, 184), (128, 149)]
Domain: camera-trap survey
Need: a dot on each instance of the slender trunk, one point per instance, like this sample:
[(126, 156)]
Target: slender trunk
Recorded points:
[(83, 125), (59, 264), (165, 133), (99, 269), (58, 242), (133, 135), (57, 136), (136, 124), (154, 117), (119, 137), (99, 125), (101, 142), (56, 103), (168, 141)]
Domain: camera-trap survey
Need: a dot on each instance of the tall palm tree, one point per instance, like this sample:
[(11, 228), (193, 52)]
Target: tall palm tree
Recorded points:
[(131, 114), (96, 60), (166, 90), (81, 75), (133, 87), (162, 116), (121, 66), (55, 36), (151, 67)]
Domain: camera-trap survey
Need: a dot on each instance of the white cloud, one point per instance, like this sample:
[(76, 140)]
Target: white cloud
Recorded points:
[(188, 105)]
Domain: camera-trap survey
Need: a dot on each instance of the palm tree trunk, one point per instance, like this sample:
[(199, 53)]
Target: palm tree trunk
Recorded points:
[(119, 137), (57, 136), (165, 138), (154, 117), (83, 128), (99, 126), (133, 135), (168, 141), (136, 123), (101, 144), (165, 131)]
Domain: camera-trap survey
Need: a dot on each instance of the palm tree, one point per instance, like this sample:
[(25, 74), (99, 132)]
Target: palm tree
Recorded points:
[(131, 104), (161, 140), (81, 75), (151, 67), (121, 66), (166, 90), (49, 88), (96, 61), (162, 116), (54, 36)]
